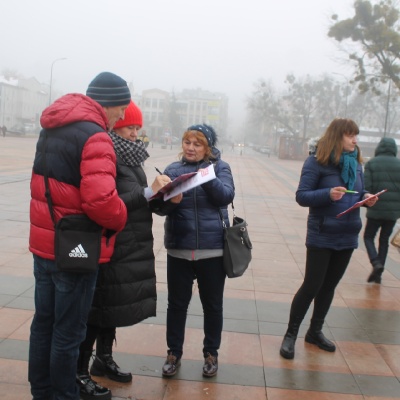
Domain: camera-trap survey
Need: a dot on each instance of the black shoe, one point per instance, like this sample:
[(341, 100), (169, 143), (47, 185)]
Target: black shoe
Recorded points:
[(210, 367), (377, 270), (287, 347), (319, 339), (105, 365), (171, 365), (89, 389), (375, 275)]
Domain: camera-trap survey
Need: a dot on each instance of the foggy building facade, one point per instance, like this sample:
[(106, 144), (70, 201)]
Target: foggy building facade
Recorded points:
[(165, 114), (21, 104), (171, 113)]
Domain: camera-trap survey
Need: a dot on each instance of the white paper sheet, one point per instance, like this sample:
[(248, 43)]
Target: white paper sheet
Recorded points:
[(202, 176)]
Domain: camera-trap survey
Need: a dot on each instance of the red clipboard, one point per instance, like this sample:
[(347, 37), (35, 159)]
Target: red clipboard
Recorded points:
[(168, 187), (360, 203)]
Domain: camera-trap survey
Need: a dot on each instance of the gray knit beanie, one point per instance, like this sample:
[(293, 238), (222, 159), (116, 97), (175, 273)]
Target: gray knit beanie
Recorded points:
[(109, 90)]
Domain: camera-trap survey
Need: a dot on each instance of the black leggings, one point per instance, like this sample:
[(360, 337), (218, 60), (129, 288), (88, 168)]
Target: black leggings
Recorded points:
[(91, 335), (324, 270)]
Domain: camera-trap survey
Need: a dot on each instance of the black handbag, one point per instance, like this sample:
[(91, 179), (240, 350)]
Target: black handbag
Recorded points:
[(237, 246), (77, 238)]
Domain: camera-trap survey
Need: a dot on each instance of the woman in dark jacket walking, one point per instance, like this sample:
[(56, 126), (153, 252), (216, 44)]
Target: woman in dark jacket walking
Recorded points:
[(126, 287), (382, 172), (325, 182), (194, 242)]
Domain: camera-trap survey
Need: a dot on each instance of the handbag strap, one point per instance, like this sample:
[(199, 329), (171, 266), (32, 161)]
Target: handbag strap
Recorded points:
[(46, 180), (233, 210), (222, 217)]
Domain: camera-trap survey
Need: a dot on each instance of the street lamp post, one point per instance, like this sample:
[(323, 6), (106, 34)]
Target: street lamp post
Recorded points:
[(51, 75), (346, 92), (387, 108)]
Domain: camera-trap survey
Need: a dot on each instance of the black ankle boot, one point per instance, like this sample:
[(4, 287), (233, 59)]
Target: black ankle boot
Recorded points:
[(104, 363), (289, 340), (315, 336), (376, 274), (88, 388)]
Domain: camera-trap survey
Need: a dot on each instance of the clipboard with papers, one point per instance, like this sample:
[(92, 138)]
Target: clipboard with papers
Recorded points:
[(360, 203), (185, 182)]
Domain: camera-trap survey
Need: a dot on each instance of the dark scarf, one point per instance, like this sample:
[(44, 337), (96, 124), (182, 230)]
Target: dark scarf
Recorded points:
[(348, 166), (132, 153)]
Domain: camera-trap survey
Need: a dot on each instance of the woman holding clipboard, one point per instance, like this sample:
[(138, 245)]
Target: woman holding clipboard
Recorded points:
[(194, 240), (331, 182)]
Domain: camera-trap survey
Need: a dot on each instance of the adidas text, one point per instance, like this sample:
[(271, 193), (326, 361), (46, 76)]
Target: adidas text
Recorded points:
[(78, 252), (78, 255)]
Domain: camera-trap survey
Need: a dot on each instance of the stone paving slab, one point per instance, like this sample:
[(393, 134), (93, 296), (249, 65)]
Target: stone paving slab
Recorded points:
[(364, 319)]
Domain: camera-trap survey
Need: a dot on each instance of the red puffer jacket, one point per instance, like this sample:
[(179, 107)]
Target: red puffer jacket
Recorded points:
[(81, 166)]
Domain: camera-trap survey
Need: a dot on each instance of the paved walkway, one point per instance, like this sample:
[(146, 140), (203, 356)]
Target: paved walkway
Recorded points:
[(364, 320)]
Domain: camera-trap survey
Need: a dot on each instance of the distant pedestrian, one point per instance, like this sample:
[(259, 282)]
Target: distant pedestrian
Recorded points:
[(382, 172), (4, 130), (145, 139)]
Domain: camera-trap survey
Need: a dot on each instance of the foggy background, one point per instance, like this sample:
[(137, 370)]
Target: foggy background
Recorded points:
[(216, 45)]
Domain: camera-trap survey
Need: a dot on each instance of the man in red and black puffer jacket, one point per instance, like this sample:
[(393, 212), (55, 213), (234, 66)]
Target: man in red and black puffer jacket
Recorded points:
[(81, 167)]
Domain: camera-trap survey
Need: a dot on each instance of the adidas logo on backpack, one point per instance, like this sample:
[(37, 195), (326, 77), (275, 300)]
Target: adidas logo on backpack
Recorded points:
[(78, 252)]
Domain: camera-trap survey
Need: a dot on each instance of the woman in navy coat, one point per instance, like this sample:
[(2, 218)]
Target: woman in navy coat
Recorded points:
[(194, 239), (326, 179)]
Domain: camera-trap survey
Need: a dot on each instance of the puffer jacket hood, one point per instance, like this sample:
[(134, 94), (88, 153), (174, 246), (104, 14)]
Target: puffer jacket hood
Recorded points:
[(383, 172), (387, 146), (72, 108)]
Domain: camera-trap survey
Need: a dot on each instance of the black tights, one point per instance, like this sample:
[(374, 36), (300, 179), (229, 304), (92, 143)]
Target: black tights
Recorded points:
[(91, 334), (324, 270)]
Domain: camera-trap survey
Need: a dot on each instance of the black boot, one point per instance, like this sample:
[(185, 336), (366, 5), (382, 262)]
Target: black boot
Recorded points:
[(104, 363), (376, 274), (315, 336), (289, 340), (88, 388)]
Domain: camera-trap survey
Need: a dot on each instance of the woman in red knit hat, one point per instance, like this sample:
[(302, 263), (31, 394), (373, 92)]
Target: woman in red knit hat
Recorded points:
[(126, 287)]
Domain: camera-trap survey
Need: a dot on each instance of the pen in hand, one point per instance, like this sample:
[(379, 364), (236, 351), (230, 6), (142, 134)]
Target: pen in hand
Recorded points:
[(350, 191), (158, 171)]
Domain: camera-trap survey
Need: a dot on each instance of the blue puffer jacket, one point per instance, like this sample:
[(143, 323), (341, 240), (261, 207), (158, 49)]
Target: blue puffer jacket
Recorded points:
[(196, 223), (324, 230)]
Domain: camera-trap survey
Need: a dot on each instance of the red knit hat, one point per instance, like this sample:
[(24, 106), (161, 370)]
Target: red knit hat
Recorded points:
[(133, 116)]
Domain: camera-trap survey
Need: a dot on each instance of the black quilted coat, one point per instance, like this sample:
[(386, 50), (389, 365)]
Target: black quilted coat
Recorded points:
[(126, 287)]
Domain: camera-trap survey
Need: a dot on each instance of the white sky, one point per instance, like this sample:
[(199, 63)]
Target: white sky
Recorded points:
[(216, 45)]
